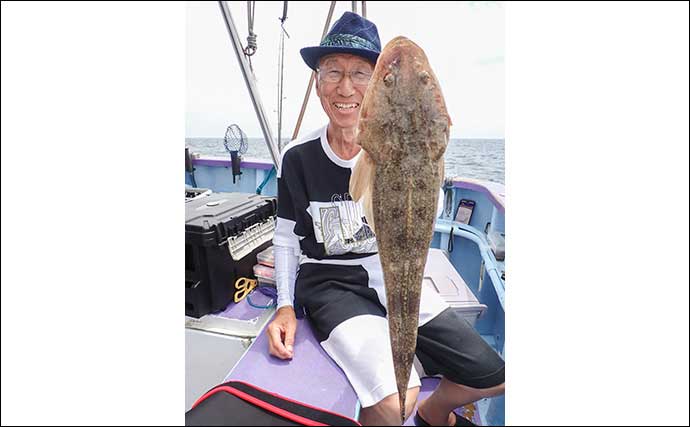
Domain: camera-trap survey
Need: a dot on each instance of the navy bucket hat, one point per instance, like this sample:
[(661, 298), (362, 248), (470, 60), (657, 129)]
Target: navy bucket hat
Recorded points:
[(350, 34)]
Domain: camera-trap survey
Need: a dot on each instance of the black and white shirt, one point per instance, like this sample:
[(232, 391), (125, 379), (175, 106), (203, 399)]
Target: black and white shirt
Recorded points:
[(315, 211)]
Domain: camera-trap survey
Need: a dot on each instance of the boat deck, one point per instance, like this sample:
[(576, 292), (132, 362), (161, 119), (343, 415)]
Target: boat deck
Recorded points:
[(313, 378)]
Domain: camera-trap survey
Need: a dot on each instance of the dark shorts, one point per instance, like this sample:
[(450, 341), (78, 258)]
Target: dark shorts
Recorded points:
[(448, 345), (343, 304)]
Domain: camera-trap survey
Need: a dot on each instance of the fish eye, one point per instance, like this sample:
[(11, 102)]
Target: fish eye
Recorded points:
[(389, 79), (424, 77)]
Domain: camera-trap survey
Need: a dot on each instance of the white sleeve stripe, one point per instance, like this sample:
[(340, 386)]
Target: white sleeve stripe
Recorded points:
[(284, 234), (286, 263)]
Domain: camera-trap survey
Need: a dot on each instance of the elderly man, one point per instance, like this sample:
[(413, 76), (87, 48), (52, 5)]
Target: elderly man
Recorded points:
[(326, 255)]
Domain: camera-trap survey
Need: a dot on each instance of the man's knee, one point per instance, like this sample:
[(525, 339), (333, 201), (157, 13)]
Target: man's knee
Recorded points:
[(449, 387), (498, 390), (492, 391)]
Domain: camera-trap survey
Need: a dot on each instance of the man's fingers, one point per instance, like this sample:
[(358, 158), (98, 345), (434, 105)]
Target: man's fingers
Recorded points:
[(290, 338), (275, 344)]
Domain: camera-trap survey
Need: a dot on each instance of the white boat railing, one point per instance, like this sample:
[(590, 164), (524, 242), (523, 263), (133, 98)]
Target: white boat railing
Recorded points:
[(469, 233)]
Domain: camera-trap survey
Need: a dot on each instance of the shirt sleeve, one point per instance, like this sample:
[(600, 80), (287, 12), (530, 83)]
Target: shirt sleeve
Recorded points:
[(286, 262), (284, 234)]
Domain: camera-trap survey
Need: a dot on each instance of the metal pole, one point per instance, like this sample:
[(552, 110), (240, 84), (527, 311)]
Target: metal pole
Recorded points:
[(364, 9), (251, 84), (354, 6), (313, 75)]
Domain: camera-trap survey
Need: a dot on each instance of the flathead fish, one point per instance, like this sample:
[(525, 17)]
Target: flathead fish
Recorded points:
[(403, 130)]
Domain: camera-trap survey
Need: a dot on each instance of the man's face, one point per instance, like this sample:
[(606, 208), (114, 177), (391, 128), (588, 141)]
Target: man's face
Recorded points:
[(342, 81)]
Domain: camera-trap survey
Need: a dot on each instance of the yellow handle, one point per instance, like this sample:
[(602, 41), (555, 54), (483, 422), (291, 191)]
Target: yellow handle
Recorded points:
[(244, 286)]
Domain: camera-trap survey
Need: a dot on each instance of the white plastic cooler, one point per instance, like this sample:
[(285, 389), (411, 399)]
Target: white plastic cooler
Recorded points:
[(441, 276)]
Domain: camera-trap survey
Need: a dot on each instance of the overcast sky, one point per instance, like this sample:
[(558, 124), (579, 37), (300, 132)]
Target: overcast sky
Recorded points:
[(464, 42)]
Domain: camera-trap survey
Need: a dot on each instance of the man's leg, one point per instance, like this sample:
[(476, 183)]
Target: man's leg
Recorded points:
[(472, 370), (438, 408), (387, 411), (361, 348)]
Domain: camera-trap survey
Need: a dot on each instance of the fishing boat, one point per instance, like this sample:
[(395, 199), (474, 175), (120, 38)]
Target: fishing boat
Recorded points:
[(466, 265)]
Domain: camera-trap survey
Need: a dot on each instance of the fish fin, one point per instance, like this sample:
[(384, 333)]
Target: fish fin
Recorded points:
[(361, 176), (360, 185), (369, 210), (439, 142)]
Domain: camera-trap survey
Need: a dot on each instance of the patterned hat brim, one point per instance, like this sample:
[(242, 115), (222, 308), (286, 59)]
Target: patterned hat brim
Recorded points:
[(312, 55)]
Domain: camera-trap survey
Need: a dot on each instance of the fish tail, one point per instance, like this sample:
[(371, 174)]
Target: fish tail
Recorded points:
[(402, 407)]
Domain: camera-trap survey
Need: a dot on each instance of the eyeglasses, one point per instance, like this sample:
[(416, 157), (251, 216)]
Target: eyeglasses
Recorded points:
[(357, 77)]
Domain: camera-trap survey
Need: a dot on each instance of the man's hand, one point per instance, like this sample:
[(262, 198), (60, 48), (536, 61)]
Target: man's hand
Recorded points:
[(281, 333)]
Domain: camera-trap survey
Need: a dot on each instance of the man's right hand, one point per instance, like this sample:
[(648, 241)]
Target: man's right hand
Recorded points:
[(281, 333)]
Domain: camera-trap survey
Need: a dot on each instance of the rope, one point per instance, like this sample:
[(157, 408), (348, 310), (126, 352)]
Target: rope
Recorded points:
[(251, 38), (260, 188), (481, 277), (281, 64), (450, 241), (263, 307), (270, 292), (282, 20)]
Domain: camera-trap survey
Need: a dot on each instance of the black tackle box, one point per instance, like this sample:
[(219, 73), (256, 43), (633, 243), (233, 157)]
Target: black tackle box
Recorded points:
[(223, 234)]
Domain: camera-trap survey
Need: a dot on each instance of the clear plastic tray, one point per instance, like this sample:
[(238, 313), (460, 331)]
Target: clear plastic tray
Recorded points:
[(265, 274), (265, 257)]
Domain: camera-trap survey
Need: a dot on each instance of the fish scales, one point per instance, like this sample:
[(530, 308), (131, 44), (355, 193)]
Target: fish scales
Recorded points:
[(403, 129)]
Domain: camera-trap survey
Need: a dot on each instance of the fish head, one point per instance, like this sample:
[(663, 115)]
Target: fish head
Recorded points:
[(403, 86)]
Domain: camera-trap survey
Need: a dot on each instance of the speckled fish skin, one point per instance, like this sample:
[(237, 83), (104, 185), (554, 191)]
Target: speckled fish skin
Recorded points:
[(404, 129)]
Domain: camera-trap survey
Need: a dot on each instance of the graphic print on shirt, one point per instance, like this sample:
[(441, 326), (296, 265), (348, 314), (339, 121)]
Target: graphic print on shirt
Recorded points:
[(341, 226)]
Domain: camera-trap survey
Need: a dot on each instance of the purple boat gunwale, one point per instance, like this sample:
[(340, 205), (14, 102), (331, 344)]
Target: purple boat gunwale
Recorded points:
[(260, 164), (223, 163)]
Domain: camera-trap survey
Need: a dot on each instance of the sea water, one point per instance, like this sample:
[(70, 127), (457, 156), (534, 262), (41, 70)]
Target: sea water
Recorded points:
[(469, 158)]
